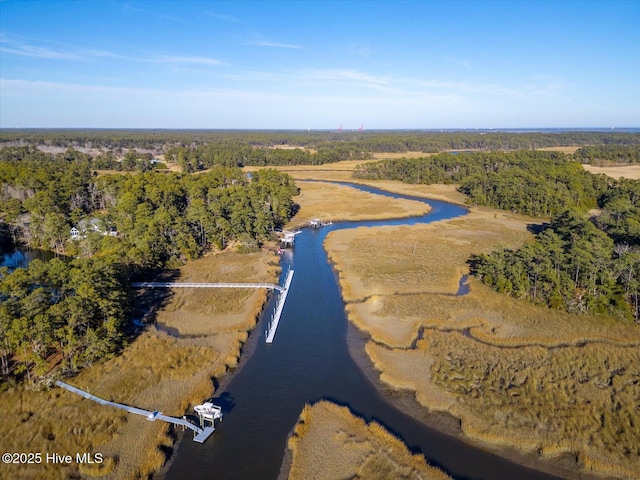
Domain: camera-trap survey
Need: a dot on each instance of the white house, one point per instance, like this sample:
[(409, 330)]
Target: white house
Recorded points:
[(91, 225)]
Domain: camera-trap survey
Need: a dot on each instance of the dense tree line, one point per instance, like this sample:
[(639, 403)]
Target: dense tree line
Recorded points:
[(595, 154), (127, 223), (73, 309), (191, 159), (620, 217), (571, 265), (159, 217), (529, 182), (159, 141), (577, 264)]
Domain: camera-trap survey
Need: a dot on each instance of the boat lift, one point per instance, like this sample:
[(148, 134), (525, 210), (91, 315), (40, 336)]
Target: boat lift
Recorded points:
[(288, 237), (317, 223), (206, 411)]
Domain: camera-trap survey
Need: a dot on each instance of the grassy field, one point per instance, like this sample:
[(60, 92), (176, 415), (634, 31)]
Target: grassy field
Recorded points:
[(392, 155), (545, 382), (342, 171), (155, 372), (580, 401), (417, 259), (329, 443), (334, 202), (339, 171), (616, 171), (568, 150)]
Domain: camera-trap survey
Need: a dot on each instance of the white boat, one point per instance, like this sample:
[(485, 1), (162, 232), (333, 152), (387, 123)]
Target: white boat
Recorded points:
[(209, 411)]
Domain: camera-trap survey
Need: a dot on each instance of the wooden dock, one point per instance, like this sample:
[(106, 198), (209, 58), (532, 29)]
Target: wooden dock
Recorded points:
[(275, 320), (200, 434), (268, 286)]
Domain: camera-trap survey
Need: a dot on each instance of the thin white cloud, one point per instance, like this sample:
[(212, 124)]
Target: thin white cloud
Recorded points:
[(84, 55), (251, 105), (460, 63), (266, 43), (39, 52), (19, 86), (179, 59), (222, 16), (360, 50), (544, 87), (128, 9), (353, 76)]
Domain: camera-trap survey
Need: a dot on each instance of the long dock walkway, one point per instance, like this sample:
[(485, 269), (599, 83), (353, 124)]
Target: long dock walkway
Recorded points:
[(273, 324), (200, 434), (268, 286), (275, 319)]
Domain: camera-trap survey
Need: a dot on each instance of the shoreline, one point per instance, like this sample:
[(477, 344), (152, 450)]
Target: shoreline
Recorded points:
[(220, 383), (237, 338), (564, 465), (405, 401), (343, 200)]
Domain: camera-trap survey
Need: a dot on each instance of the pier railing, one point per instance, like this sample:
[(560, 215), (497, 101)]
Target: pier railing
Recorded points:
[(268, 286), (273, 324), (275, 319), (200, 434)]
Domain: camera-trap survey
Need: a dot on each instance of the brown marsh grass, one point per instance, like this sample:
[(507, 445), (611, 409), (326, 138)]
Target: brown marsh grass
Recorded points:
[(516, 375), (217, 310), (342, 172), (395, 155), (485, 315), (336, 202), (568, 150), (155, 372), (329, 443), (338, 171), (417, 259), (550, 401), (616, 171)]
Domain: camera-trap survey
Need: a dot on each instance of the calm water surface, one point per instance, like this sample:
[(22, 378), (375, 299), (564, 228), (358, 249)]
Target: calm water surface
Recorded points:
[(22, 257), (309, 360)]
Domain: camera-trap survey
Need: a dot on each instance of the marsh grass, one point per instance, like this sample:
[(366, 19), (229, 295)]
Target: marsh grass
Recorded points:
[(578, 400), (485, 315), (564, 149), (417, 259), (336, 202), (155, 372), (329, 442), (616, 171), (395, 155), (343, 171), (515, 374), (212, 311)]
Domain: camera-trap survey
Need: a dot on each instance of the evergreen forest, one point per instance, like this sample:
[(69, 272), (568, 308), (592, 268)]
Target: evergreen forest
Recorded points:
[(586, 259), (74, 307), (111, 212), (429, 141)]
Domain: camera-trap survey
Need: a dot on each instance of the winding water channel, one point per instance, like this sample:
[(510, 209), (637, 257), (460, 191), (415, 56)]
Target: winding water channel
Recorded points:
[(309, 360)]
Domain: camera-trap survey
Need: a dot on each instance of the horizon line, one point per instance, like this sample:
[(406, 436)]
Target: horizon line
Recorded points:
[(355, 129)]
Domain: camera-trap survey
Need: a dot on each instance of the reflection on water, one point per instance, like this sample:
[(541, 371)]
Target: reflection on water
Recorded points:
[(21, 258), (308, 361), (463, 286)]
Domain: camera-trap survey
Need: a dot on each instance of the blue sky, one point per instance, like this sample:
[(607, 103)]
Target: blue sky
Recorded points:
[(319, 65)]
